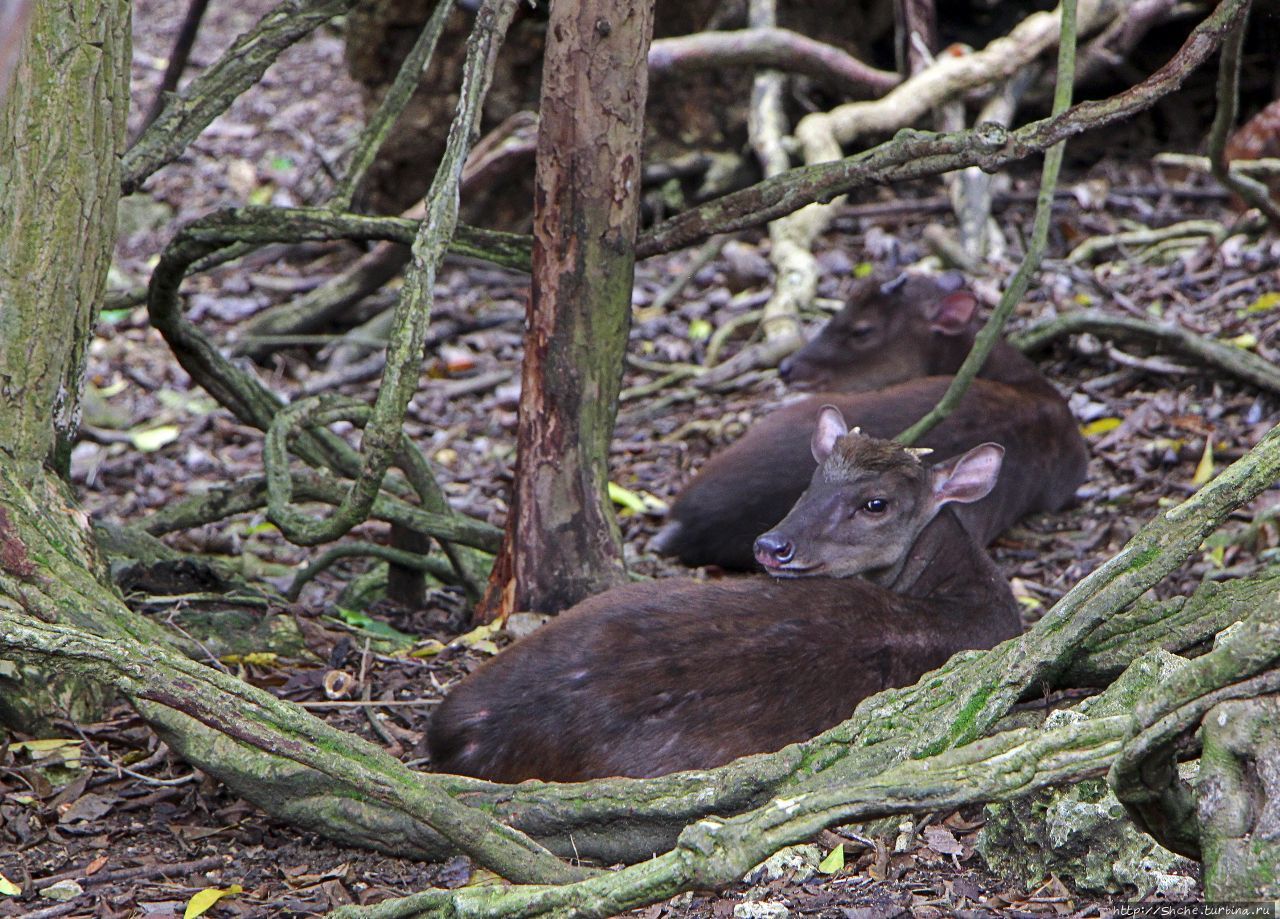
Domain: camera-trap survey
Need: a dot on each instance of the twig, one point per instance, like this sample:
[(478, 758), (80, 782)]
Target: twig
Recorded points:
[(1228, 93), (704, 256), (1263, 166), (1145, 236), (435, 567), (178, 58)]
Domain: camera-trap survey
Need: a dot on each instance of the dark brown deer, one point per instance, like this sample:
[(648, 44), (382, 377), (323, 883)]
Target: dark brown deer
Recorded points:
[(745, 489), (664, 676)]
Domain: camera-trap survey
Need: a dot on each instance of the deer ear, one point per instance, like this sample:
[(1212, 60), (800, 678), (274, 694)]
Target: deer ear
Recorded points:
[(831, 427), (952, 314), (968, 478)]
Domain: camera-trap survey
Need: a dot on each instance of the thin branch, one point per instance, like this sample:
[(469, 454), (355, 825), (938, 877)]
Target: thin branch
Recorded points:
[(178, 58), (397, 97), (990, 333), (211, 93), (916, 154), (1228, 99), (769, 46)]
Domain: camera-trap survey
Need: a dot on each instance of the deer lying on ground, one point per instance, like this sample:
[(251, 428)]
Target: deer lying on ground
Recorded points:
[(920, 327), (669, 675)]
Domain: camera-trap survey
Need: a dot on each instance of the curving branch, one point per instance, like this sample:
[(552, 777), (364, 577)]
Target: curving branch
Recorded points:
[(1224, 119), (210, 94), (1144, 775), (769, 46), (382, 435), (250, 715)]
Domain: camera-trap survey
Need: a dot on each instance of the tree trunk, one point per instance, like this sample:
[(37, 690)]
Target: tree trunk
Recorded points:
[(61, 137), (562, 539)]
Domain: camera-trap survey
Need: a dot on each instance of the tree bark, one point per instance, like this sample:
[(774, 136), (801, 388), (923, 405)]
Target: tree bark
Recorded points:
[(562, 541), (1239, 800), (61, 136)]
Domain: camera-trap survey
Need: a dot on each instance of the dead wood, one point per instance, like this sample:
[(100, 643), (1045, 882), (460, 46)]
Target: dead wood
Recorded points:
[(769, 46)]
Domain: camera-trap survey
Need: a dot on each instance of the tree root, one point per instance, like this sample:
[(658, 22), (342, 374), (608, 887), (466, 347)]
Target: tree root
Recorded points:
[(1239, 800), (1237, 362), (1144, 775), (949, 707)]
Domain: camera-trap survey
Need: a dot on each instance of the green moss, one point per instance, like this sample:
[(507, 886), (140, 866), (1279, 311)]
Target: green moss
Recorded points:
[(962, 727), (1144, 558)]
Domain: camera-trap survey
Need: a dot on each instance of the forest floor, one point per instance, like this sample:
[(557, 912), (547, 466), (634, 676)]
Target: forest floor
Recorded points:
[(139, 832)]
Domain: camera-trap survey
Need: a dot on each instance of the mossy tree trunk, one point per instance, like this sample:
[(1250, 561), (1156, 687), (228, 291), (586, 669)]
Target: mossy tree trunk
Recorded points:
[(562, 541), (61, 137)]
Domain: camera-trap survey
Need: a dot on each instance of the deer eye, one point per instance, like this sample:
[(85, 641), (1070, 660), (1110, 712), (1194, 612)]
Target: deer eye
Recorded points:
[(876, 506), (860, 331)]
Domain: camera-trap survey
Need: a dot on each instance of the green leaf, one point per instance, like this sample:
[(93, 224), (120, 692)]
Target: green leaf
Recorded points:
[(625, 498), (111, 317), (834, 860), (367, 623), (152, 439), (203, 900), (863, 269), (699, 330), (8, 888), (194, 402)]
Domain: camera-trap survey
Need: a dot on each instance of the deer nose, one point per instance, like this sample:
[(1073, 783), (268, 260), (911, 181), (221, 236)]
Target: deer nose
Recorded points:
[(774, 548), (784, 369)]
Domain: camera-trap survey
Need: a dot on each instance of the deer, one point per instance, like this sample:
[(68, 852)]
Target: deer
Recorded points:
[(872, 582), (907, 335)]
